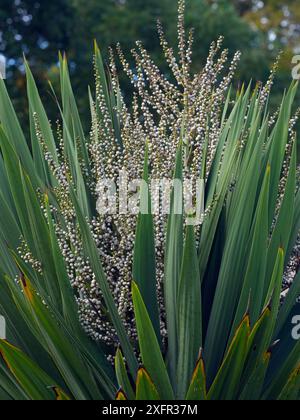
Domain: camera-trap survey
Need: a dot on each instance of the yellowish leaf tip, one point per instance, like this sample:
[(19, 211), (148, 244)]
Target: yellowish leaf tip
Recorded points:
[(267, 356), (247, 320), (134, 286), (121, 396), (266, 311), (200, 365), (143, 372), (96, 47)]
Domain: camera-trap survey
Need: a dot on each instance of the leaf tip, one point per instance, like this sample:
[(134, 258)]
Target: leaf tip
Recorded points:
[(121, 396)]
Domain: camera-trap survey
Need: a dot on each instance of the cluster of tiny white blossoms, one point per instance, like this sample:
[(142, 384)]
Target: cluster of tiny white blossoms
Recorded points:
[(164, 109), (293, 266)]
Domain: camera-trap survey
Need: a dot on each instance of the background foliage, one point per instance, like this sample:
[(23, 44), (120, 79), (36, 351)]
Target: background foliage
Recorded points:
[(40, 28)]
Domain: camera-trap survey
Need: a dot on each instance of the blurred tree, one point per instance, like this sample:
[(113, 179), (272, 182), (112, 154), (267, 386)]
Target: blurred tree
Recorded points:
[(129, 20), (113, 21), (244, 6), (279, 23), (212, 19), (38, 29), (279, 19), (41, 28)]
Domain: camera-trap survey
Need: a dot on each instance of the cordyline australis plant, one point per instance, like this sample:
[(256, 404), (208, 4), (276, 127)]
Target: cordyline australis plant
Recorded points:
[(89, 297)]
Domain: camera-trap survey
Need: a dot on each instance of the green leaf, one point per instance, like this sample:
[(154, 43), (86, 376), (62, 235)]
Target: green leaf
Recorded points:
[(275, 284), (145, 388), (70, 112), (291, 390), (65, 356), (253, 388), (285, 359), (41, 238), (226, 383), (36, 383), (122, 376), (10, 389), (60, 346), (36, 107), (189, 314), (12, 129), (149, 347), (17, 331), (173, 261), (144, 270), (258, 344), (197, 390), (256, 267), (12, 167), (230, 280)]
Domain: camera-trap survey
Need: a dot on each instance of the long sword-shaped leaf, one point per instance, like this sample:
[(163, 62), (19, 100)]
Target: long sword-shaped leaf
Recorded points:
[(36, 383), (253, 388), (197, 389), (144, 266), (70, 111), (10, 389), (189, 314), (65, 356), (282, 374), (291, 391), (230, 281), (255, 273), (258, 345), (122, 376), (173, 261), (149, 347), (145, 388), (226, 383), (12, 128), (37, 108)]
